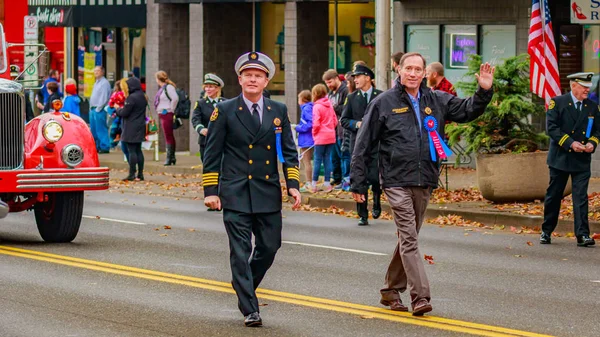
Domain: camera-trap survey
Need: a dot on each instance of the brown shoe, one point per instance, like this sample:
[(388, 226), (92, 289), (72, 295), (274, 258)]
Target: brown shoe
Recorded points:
[(395, 305), (421, 307)]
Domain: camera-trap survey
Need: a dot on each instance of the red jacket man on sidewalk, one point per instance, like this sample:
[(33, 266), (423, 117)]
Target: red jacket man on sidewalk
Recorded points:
[(436, 80)]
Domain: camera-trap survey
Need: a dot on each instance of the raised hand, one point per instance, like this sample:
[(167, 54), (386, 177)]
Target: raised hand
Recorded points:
[(485, 78)]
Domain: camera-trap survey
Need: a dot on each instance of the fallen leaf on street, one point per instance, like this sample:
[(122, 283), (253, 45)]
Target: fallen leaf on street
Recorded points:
[(519, 255), (97, 217), (366, 317), (429, 259), (191, 230), (454, 220), (156, 229), (570, 235), (167, 227), (164, 234), (596, 236), (263, 304), (529, 243)]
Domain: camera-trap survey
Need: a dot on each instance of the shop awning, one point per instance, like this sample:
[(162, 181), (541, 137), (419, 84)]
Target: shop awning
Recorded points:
[(89, 13)]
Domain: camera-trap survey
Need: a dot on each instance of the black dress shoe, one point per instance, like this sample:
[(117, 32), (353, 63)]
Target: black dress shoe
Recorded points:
[(253, 320), (363, 222), (129, 178), (376, 212), (545, 239), (584, 241)]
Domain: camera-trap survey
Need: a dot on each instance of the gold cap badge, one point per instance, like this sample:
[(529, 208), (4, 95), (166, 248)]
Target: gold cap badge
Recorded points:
[(277, 122), (428, 110)]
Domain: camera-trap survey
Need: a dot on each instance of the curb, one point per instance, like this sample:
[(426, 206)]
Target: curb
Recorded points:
[(154, 168), (487, 218)]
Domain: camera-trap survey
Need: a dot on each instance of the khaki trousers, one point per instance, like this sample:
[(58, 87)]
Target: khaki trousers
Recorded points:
[(406, 269), (306, 163)]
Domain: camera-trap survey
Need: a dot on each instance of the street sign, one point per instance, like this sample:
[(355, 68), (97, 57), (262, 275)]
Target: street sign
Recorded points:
[(31, 27), (31, 72)]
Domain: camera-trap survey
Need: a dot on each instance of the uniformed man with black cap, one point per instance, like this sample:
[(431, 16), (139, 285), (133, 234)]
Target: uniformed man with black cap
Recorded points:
[(573, 124), (247, 137), (354, 110), (211, 88), (14, 74)]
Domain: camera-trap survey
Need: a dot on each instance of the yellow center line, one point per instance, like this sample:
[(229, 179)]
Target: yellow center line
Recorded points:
[(308, 301)]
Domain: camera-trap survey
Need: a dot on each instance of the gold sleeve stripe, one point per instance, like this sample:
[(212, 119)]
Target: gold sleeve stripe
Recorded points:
[(291, 176), (210, 180), (293, 170), (210, 174), (562, 140), (210, 183), (595, 140)]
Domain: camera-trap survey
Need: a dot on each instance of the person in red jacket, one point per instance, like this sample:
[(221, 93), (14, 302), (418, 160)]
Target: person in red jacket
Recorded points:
[(324, 123)]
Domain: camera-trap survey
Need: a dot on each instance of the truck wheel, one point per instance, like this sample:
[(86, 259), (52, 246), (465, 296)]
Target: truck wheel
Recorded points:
[(59, 218)]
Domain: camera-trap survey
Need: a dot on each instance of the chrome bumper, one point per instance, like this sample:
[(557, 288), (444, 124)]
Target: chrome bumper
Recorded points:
[(3, 210)]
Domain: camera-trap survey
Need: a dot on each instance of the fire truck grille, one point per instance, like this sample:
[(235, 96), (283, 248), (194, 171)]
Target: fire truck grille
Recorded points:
[(12, 130)]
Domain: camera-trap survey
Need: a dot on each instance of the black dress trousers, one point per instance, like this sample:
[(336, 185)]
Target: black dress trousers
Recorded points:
[(248, 271)]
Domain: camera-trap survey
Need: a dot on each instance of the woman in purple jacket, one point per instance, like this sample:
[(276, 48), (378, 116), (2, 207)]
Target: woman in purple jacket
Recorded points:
[(305, 138)]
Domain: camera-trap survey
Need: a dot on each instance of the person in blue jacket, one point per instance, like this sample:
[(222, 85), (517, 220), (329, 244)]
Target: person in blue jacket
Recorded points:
[(305, 138), (71, 101)]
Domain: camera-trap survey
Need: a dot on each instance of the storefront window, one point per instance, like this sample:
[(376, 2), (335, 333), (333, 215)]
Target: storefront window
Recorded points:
[(459, 43), (133, 52), (89, 55), (498, 42), (424, 39), (591, 57), (271, 42)]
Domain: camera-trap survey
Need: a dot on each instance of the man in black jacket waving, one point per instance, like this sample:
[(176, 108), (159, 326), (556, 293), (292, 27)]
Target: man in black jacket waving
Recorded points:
[(408, 124)]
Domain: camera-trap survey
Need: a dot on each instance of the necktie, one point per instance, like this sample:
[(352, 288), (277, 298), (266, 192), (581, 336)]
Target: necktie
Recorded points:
[(366, 97), (578, 106), (255, 116)]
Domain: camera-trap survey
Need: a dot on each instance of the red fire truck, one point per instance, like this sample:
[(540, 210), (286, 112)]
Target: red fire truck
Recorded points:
[(45, 164)]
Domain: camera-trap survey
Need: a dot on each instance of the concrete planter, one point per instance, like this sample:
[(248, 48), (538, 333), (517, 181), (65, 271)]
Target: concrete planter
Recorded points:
[(514, 177)]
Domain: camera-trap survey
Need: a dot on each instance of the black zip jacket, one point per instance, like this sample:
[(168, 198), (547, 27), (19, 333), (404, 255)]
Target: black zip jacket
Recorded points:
[(404, 158)]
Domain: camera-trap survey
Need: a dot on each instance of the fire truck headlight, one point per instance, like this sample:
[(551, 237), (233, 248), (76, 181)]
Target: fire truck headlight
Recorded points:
[(52, 131)]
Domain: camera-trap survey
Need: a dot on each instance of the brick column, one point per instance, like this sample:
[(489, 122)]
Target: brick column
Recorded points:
[(168, 49), (196, 64), (398, 27), (306, 29), (226, 39), (313, 43), (291, 60)]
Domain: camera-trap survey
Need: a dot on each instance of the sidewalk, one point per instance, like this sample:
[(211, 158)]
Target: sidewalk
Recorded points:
[(462, 206)]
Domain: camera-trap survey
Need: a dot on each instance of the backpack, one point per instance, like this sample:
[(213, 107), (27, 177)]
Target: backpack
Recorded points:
[(182, 110)]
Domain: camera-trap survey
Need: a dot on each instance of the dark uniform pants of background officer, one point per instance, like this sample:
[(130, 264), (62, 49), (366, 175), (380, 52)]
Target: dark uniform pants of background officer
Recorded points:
[(554, 195)]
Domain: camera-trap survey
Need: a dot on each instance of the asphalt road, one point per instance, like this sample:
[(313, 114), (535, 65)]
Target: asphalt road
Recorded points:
[(126, 275)]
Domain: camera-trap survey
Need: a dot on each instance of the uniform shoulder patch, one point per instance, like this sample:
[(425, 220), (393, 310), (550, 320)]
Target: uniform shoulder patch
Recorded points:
[(551, 104), (196, 106), (214, 115)]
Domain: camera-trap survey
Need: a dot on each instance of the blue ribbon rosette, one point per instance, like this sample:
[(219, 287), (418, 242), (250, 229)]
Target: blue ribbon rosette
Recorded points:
[(437, 147), (588, 132), (278, 144)]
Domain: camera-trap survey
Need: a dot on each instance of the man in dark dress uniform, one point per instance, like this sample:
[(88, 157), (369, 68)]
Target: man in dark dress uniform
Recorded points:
[(354, 110), (204, 108), (247, 137), (573, 124)]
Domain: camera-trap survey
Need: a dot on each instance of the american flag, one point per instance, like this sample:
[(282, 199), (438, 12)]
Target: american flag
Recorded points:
[(544, 76)]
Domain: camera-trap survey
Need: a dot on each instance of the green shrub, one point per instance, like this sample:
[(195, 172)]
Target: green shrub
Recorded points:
[(504, 126)]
